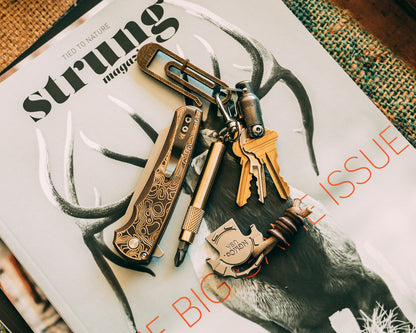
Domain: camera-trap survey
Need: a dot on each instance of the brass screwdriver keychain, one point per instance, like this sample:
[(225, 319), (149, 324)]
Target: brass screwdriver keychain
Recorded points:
[(195, 211)]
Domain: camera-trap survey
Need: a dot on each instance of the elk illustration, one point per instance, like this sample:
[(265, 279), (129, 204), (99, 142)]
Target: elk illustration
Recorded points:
[(300, 288)]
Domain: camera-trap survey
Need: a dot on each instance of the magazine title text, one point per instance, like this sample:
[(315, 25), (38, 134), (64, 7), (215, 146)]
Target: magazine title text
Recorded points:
[(153, 23)]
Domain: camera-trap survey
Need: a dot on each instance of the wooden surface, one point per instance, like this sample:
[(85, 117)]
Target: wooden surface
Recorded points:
[(389, 22)]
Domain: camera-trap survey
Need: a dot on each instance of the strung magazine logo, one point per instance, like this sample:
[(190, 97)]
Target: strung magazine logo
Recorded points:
[(114, 71), (122, 69), (98, 61)]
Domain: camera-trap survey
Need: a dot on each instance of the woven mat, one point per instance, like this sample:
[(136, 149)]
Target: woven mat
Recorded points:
[(383, 77), (23, 22)]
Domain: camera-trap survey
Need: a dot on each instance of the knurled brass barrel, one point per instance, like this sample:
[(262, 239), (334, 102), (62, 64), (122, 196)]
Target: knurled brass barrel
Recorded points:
[(196, 208)]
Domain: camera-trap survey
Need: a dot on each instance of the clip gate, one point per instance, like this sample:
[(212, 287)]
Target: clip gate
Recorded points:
[(147, 53)]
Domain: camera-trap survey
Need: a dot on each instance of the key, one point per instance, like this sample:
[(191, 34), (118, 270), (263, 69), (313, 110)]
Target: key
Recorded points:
[(256, 167), (245, 177), (257, 170), (264, 149)]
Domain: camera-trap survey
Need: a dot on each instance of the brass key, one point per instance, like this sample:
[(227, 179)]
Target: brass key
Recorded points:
[(245, 177), (256, 167), (264, 149)]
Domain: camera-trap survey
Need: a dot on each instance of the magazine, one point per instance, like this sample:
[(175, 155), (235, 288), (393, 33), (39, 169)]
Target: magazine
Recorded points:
[(80, 121)]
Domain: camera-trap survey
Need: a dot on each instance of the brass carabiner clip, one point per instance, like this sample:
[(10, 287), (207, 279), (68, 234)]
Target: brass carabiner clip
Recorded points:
[(201, 78)]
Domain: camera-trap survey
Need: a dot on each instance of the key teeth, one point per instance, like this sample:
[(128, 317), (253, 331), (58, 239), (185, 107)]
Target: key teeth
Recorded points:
[(261, 198), (265, 151), (285, 196), (261, 190), (243, 192), (242, 201), (256, 169), (243, 195), (241, 204), (283, 189)]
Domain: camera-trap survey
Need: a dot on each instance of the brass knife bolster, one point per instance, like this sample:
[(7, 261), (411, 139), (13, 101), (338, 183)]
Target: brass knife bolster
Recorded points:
[(152, 203)]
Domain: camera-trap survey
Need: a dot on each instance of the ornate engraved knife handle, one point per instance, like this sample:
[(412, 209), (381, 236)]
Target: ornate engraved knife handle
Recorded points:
[(155, 196)]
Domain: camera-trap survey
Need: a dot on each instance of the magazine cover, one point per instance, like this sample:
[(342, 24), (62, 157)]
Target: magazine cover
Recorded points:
[(81, 121)]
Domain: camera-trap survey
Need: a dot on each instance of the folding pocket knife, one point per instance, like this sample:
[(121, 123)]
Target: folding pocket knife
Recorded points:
[(158, 188)]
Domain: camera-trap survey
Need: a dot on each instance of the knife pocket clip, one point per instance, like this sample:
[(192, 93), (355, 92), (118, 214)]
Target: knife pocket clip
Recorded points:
[(179, 143), (175, 68)]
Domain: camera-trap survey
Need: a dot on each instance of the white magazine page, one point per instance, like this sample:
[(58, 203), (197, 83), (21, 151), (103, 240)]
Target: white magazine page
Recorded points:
[(75, 107)]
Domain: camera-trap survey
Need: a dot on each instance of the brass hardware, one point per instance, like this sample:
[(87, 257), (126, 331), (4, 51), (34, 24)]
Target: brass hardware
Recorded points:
[(248, 105), (234, 249), (195, 211), (148, 52)]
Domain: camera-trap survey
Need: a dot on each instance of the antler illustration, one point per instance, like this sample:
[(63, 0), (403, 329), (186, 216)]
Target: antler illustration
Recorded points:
[(92, 220), (260, 56)]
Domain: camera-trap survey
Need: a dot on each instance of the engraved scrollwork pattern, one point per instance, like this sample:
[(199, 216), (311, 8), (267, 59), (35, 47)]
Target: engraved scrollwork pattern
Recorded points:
[(149, 214)]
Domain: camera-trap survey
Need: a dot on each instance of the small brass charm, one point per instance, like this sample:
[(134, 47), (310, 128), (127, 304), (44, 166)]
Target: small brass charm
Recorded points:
[(234, 249)]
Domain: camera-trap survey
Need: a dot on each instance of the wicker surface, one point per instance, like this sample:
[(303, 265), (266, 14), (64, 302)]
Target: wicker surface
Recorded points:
[(383, 77), (390, 20), (23, 22)]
